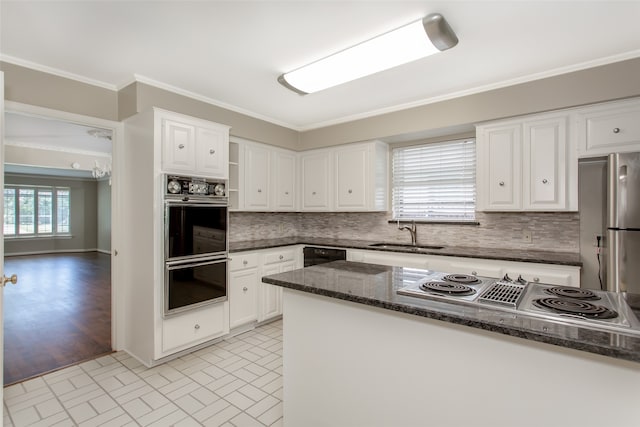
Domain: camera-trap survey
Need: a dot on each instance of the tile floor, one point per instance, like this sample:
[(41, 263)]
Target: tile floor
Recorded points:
[(236, 382)]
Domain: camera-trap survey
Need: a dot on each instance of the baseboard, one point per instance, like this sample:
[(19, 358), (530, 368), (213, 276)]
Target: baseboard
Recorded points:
[(57, 251)]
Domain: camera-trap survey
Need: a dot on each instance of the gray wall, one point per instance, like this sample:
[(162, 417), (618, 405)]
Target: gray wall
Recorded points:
[(592, 175), (598, 84), (84, 217), (104, 216)]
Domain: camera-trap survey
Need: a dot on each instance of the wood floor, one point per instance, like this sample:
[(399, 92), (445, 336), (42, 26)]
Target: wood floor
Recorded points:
[(58, 314)]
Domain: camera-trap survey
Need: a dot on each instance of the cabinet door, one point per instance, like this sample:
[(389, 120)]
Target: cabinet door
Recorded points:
[(256, 185), (284, 172), (609, 128), (499, 179), (316, 176), (352, 178), (544, 165), (212, 152), (270, 295), (178, 147), (243, 297)]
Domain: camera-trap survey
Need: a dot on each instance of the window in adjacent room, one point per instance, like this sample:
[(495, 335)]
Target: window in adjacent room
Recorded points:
[(36, 211), (435, 182)]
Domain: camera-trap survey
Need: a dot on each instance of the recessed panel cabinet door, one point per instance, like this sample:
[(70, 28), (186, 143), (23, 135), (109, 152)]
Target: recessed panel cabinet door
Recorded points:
[(284, 165), (178, 146), (316, 179), (256, 195), (212, 152), (499, 168), (243, 297), (352, 177), (544, 168)]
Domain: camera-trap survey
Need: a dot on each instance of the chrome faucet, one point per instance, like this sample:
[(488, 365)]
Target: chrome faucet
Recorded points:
[(412, 230)]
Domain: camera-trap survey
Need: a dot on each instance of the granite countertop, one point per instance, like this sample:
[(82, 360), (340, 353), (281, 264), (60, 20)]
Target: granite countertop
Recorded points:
[(376, 285), (545, 257)]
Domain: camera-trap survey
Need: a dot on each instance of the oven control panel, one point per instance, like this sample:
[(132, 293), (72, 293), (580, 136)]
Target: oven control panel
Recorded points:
[(190, 186)]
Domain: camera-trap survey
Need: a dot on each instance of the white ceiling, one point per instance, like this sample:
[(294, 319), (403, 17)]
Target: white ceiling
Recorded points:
[(231, 53)]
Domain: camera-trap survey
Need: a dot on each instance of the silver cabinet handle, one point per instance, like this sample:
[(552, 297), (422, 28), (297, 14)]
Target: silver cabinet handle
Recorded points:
[(281, 257), (536, 279), (259, 190), (501, 183), (544, 181), (286, 193), (181, 146), (245, 262), (350, 191), (245, 289), (212, 151), (313, 193), (196, 326), (616, 130)]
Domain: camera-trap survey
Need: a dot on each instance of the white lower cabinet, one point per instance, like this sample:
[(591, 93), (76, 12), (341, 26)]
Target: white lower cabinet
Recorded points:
[(251, 300), (194, 327), (553, 274)]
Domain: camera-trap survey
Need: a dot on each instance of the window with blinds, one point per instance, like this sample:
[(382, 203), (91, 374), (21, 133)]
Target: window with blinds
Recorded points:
[(435, 182)]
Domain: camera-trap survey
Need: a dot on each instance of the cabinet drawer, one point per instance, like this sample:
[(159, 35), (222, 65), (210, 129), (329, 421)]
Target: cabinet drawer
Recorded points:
[(239, 261), (193, 328), (280, 256)]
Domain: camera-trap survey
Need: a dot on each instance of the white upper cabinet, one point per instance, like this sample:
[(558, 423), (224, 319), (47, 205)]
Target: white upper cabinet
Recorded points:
[(361, 177), (545, 164), (194, 147), (317, 179), (284, 179), (528, 163), (257, 177), (608, 128), (499, 171), (212, 152), (262, 178)]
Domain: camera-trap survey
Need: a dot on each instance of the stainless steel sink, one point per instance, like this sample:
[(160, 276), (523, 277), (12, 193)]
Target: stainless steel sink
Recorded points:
[(405, 247)]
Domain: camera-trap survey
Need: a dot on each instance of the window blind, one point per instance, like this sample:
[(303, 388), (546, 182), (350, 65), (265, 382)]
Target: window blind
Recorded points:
[(435, 181)]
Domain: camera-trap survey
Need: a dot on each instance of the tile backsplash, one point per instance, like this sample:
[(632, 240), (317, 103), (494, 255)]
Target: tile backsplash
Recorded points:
[(551, 231)]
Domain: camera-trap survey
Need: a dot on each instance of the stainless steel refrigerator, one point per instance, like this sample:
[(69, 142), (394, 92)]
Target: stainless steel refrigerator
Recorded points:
[(623, 225)]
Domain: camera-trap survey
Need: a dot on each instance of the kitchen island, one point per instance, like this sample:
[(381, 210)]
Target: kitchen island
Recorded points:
[(356, 353)]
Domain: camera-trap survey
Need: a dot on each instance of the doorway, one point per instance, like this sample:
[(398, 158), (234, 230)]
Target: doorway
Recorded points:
[(58, 241)]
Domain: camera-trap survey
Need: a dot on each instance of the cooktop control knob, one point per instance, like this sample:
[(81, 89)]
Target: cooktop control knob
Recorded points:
[(218, 190)]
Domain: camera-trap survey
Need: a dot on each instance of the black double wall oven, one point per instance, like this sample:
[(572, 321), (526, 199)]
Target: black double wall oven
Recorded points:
[(195, 243)]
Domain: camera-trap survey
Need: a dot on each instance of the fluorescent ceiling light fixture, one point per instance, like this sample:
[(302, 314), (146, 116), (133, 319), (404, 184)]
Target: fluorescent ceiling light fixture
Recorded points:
[(429, 35)]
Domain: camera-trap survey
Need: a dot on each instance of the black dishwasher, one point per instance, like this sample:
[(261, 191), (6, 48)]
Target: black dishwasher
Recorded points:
[(314, 256)]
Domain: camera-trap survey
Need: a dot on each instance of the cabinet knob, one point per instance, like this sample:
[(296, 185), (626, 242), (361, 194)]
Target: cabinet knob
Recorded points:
[(212, 151), (259, 190), (245, 262), (350, 191), (286, 193), (196, 326), (616, 130), (281, 257), (544, 181), (245, 289), (501, 183), (181, 146), (536, 279), (313, 193), (475, 273)]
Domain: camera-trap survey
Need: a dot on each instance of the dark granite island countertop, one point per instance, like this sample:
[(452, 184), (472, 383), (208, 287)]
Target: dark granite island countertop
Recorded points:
[(377, 285), (537, 256), (355, 353)]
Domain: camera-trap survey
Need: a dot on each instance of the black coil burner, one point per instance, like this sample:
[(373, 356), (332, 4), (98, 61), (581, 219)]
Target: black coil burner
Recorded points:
[(576, 307), (575, 293), (447, 288), (466, 279)]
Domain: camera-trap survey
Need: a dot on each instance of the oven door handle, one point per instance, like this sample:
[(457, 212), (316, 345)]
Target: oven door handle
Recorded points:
[(175, 266)]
